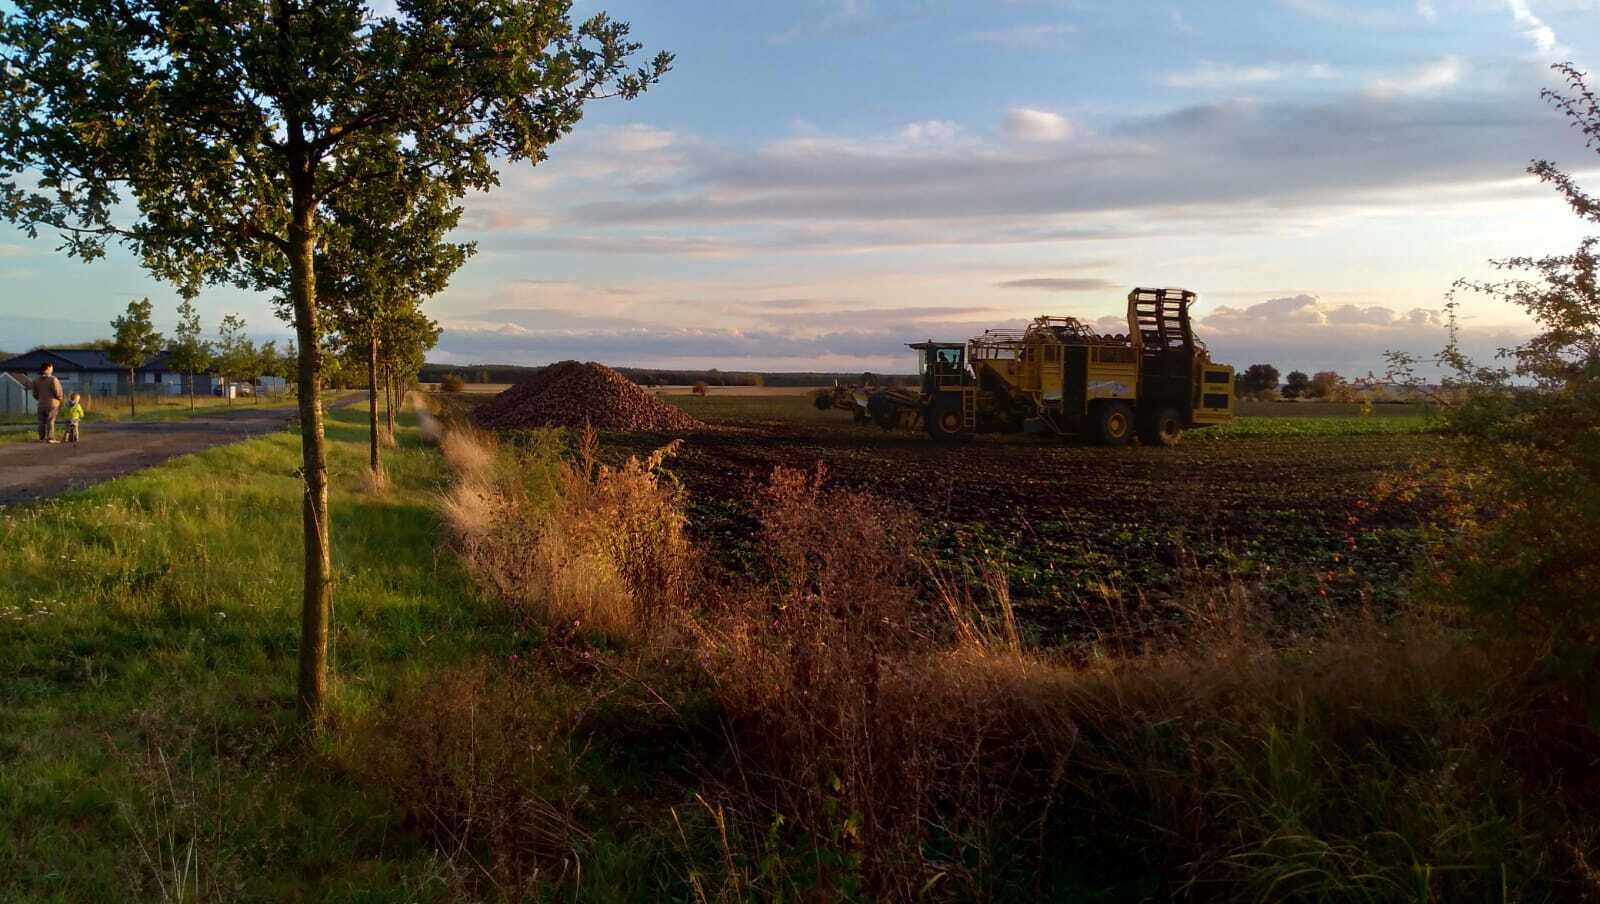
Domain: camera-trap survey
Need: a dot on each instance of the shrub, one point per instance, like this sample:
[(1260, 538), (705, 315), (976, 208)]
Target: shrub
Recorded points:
[(700, 389), (452, 383), (608, 555)]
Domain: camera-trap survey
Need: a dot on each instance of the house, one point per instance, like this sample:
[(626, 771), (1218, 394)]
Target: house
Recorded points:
[(16, 396), (92, 372)]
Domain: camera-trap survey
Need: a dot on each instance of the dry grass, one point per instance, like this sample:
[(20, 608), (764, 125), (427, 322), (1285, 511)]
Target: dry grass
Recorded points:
[(608, 557), (878, 746), (373, 483)]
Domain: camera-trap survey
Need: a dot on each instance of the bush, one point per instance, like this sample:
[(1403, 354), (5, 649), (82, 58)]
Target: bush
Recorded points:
[(700, 389), (452, 383), (871, 746)]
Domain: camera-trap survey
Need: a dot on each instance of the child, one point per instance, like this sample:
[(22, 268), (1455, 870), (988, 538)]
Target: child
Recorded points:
[(74, 415)]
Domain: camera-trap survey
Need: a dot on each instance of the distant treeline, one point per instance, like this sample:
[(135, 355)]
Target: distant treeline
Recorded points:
[(512, 373)]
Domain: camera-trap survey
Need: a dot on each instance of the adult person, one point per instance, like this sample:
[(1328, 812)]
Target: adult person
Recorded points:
[(47, 392)]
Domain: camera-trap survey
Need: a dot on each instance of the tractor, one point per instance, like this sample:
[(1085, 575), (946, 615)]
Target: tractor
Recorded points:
[(1058, 376)]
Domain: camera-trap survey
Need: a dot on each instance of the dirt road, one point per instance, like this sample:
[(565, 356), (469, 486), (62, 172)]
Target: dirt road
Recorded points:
[(32, 470)]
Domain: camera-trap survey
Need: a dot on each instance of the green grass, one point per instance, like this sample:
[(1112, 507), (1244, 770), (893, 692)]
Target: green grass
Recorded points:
[(150, 628), (1338, 425)]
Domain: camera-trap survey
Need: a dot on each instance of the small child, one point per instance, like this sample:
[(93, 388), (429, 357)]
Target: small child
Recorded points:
[(74, 415)]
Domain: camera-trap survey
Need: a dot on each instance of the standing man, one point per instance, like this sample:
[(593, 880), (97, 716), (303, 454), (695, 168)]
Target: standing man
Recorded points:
[(47, 392)]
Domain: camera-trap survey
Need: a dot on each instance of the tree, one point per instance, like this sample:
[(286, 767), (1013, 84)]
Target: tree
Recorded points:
[(388, 256), (1257, 378), (268, 362), (1519, 552), (136, 342), (1324, 383), (1296, 384), (190, 353), (236, 358), (405, 342), (230, 127)]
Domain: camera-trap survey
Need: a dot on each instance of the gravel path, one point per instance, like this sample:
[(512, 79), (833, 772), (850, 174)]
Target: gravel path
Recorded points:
[(31, 470)]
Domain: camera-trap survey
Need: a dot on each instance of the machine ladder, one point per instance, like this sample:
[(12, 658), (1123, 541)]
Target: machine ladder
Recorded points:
[(969, 409), (1160, 318)]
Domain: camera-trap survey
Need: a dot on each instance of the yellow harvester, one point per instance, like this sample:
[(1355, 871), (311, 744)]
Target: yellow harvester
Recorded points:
[(1058, 375)]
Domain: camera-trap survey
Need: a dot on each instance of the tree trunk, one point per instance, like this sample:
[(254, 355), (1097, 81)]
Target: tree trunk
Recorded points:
[(191, 392), (317, 603), (393, 393), (133, 394), (372, 398)]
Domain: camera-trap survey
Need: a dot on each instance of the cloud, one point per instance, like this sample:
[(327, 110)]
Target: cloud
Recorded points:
[(1540, 35), (1027, 37), (1306, 333), (1208, 74), (1024, 124), (940, 182), (1059, 284), (1424, 80), (8, 250), (1427, 10)]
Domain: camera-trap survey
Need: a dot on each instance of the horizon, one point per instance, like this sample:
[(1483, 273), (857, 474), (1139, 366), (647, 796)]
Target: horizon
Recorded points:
[(1319, 172)]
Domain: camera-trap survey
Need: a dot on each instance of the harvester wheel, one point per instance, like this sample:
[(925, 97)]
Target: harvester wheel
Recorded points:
[(823, 401), (1113, 423), (1162, 427), (944, 419), (883, 411)]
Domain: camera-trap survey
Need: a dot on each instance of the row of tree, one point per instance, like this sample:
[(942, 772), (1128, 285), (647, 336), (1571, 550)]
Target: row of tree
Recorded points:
[(1262, 379), (233, 356)]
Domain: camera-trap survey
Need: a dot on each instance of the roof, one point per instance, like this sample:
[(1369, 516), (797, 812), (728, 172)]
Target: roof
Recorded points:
[(80, 359)]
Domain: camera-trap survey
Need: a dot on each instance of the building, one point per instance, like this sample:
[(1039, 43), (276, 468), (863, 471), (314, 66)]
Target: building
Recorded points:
[(92, 372), (16, 396)]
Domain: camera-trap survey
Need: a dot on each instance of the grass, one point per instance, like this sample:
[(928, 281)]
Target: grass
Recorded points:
[(148, 745), (1261, 426)]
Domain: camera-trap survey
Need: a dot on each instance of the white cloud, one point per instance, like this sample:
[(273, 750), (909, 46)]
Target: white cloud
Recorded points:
[(1427, 10), (1024, 124), (1027, 37), (1209, 74), (1540, 35), (1306, 333), (11, 250), (1428, 79)]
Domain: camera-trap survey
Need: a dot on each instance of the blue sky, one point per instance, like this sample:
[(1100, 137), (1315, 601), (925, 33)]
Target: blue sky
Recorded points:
[(820, 181)]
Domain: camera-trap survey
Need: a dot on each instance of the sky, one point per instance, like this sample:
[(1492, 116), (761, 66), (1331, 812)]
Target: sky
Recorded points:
[(819, 182)]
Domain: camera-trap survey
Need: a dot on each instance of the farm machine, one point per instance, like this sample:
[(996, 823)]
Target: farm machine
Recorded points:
[(1059, 376)]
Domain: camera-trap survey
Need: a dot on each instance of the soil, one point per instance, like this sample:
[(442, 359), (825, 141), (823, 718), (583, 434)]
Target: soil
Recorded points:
[(1087, 534)]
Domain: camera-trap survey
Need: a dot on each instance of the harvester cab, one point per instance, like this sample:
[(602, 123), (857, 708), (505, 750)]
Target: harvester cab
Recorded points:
[(942, 364)]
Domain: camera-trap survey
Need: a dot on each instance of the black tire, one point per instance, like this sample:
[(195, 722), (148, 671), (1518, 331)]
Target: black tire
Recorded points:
[(823, 401), (1162, 427), (944, 419), (883, 411), (1112, 423)]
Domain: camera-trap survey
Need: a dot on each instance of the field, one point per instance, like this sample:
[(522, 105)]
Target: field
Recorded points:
[(480, 748), (1281, 503)]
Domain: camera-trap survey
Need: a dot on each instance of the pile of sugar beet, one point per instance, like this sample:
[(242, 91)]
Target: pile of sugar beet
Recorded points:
[(572, 394)]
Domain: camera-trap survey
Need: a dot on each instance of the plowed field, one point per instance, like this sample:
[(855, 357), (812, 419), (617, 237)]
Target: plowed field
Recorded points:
[(1097, 543)]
